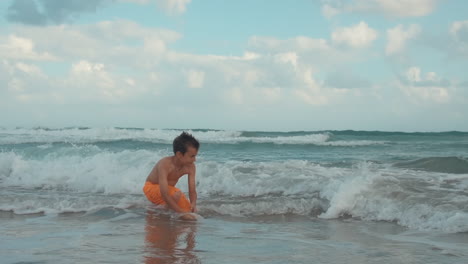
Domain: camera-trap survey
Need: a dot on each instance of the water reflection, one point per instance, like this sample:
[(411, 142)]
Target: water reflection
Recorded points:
[(169, 241)]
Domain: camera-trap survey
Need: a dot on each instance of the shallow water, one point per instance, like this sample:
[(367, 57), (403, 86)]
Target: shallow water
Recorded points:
[(146, 235)]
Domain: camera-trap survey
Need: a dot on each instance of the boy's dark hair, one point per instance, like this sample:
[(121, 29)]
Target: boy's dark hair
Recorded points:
[(183, 141)]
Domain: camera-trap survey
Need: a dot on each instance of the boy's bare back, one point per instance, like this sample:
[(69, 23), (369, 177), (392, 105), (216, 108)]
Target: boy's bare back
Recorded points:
[(169, 169)]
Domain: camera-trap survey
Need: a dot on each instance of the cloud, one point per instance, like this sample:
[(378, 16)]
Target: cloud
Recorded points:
[(312, 93), (24, 82), (358, 36), (195, 79), (174, 7), (393, 8), (123, 62), (429, 88), (319, 51), (171, 7), (459, 33), (14, 47), (398, 37), (43, 12), (94, 82), (112, 42), (47, 12), (346, 79)]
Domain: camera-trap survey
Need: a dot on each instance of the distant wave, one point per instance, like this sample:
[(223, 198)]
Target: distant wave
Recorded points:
[(397, 133), (95, 135), (456, 165)]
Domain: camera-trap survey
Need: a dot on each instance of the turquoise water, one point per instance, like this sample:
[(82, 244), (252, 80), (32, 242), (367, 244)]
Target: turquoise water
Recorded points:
[(266, 197)]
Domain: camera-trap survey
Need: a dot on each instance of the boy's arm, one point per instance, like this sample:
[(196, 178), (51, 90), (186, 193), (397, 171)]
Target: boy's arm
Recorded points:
[(163, 187), (192, 189)]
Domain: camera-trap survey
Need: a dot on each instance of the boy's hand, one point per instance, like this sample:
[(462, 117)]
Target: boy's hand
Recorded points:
[(194, 209), (189, 217)]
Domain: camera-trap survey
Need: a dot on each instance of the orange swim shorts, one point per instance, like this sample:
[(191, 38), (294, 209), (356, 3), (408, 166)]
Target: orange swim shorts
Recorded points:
[(153, 194)]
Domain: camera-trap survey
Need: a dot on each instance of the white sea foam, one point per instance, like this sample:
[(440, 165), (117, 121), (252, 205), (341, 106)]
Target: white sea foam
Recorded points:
[(55, 203), (72, 183), (382, 195), (105, 172), (91, 135)]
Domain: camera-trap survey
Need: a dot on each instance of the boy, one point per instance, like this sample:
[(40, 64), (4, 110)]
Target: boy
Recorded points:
[(160, 183)]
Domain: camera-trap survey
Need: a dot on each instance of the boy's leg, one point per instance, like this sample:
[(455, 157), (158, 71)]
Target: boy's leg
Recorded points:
[(182, 201), (177, 196)]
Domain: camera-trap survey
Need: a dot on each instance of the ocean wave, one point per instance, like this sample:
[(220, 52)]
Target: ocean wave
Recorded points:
[(414, 200), (457, 165), (102, 172), (85, 135), (59, 202), (367, 191), (45, 136)]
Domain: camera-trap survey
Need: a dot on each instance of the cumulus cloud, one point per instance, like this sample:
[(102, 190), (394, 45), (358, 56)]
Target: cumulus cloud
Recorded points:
[(25, 82), (459, 33), (425, 88), (319, 51), (120, 61), (89, 81), (358, 36), (15, 47), (400, 8), (399, 36), (113, 42)]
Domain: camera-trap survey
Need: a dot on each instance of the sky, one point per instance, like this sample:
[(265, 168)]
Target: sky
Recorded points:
[(256, 65)]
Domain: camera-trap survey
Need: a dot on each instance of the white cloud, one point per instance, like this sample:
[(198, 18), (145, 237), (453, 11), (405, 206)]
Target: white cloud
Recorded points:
[(459, 32), (85, 67), (407, 7), (195, 79), (299, 43), (93, 80), (288, 57), (329, 11), (315, 93), (111, 42), (398, 37), (123, 63), (458, 26), (358, 36), (413, 74), (394, 8), (295, 50), (15, 47), (16, 85), (29, 69), (429, 88)]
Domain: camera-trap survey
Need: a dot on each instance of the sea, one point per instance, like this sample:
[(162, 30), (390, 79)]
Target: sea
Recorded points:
[(74, 195)]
